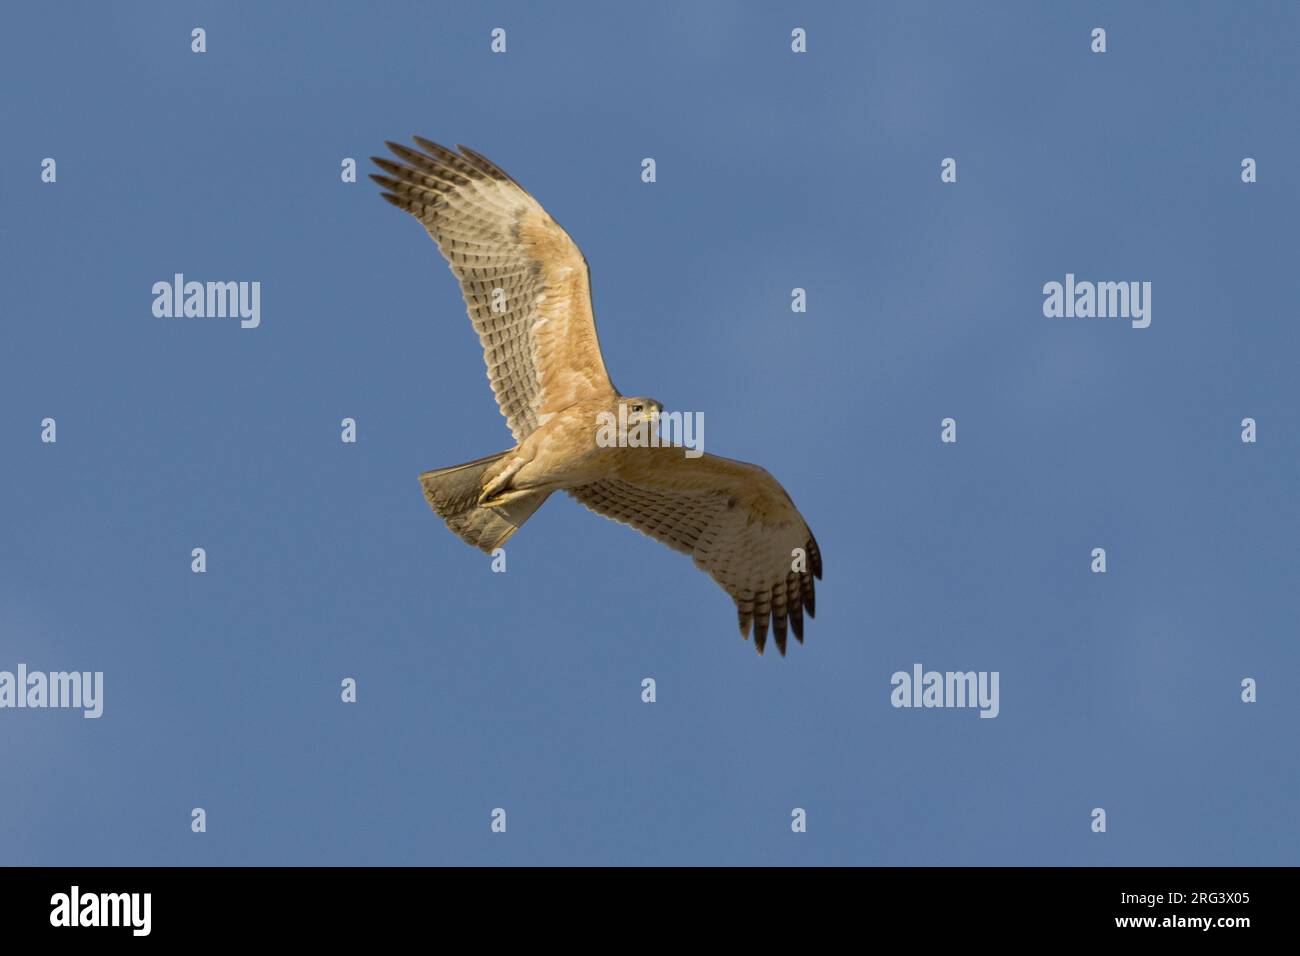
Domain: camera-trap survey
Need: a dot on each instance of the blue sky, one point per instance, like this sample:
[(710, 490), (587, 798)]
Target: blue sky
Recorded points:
[(522, 690)]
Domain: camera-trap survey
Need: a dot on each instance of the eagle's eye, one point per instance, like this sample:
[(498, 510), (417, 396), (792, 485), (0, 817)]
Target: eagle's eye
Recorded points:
[(636, 408)]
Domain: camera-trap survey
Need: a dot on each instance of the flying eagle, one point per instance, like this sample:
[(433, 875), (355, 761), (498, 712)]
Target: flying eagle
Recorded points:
[(528, 293)]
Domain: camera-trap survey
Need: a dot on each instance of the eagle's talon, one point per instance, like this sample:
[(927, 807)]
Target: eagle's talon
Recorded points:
[(506, 497)]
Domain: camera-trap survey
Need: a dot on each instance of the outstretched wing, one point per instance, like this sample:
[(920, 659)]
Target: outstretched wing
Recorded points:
[(524, 280), (733, 518)]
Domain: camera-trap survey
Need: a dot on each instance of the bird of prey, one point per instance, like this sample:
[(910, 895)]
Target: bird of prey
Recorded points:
[(528, 293)]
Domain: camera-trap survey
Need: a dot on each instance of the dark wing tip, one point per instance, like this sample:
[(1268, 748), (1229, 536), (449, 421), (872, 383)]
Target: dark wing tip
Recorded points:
[(484, 164), (760, 632), (429, 146), (397, 169), (779, 626)]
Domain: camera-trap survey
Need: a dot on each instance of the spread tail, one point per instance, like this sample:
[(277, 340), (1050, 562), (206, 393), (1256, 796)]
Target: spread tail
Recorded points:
[(453, 493)]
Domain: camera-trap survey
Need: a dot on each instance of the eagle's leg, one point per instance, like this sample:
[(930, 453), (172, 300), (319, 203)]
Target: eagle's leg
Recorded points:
[(496, 484), (505, 497)]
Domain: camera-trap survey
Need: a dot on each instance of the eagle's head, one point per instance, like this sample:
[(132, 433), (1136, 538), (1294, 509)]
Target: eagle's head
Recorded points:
[(641, 410)]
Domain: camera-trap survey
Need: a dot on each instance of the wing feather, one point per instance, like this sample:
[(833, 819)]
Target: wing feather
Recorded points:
[(525, 282), (735, 521)]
